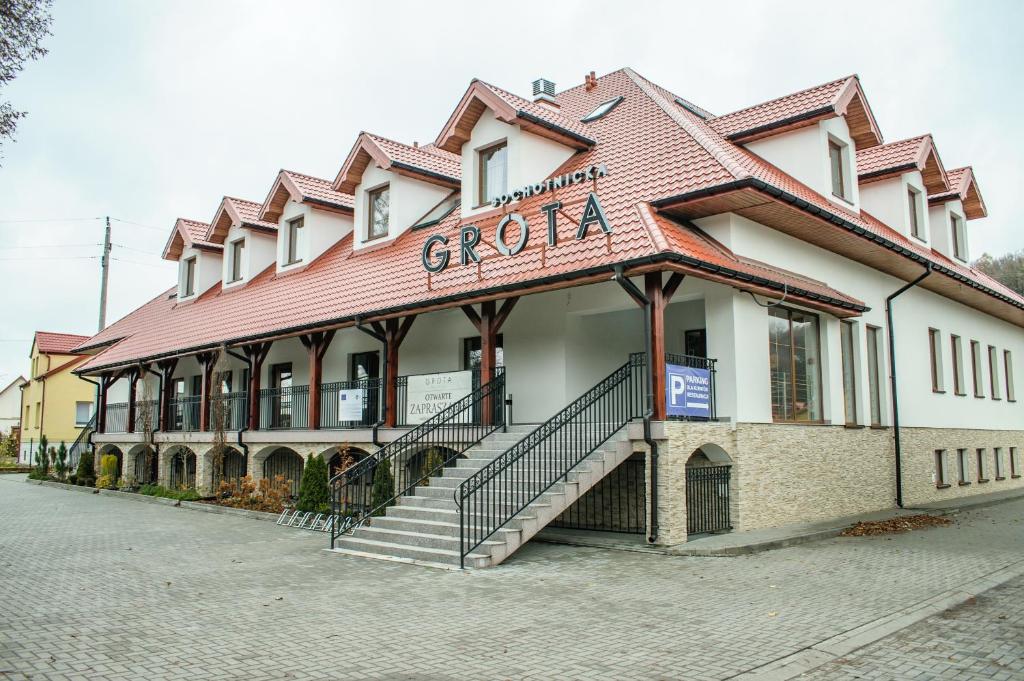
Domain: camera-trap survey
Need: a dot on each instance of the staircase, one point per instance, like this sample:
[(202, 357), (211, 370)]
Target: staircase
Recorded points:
[(424, 527), (508, 485)]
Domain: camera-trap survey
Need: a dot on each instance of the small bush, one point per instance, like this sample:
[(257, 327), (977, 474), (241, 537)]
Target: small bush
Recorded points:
[(42, 469), (383, 492), (265, 495), (109, 472), (164, 493), (60, 462), (314, 495), (85, 474), (72, 479)]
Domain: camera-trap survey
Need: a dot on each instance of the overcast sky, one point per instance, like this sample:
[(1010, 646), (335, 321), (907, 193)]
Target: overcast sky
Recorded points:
[(147, 111)]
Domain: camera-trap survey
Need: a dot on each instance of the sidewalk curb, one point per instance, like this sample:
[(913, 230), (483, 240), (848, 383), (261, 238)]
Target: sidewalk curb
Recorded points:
[(142, 498), (835, 647)]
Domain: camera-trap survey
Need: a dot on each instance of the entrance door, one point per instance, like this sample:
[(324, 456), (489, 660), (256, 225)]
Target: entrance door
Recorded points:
[(177, 408), (281, 400), (364, 367), (695, 342), (707, 499)]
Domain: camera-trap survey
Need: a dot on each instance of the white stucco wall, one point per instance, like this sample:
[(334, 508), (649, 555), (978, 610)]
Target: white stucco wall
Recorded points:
[(409, 200), (887, 200), (531, 158), (256, 257), (207, 273), (321, 230), (940, 221)]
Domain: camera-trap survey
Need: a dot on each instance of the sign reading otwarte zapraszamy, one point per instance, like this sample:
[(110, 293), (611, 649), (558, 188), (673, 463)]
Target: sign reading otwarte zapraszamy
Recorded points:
[(427, 394), (688, 391)]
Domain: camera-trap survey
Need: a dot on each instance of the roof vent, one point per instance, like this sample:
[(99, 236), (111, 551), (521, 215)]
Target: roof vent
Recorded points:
[(544, 91)]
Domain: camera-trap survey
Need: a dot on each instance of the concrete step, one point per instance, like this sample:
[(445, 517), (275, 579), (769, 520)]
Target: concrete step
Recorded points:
[(419, 539), (425, 527), (369, 548), (442, 503)]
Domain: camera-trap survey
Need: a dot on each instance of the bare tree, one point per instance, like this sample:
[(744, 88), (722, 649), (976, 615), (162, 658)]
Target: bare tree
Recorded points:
[(1008, 269), (23, 25)]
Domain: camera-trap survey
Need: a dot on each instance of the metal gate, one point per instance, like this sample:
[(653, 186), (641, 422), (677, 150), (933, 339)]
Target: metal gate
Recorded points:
[(286, 463), (617, 503), (146, 467), (707, 499), (183, 470), (233, 466)]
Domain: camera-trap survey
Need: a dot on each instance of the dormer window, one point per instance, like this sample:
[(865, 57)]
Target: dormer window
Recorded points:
[(189, 283), (914, 206), (378, 202), (493, 172), (837, 158), (235, 264), (294, 237), (959, 238)]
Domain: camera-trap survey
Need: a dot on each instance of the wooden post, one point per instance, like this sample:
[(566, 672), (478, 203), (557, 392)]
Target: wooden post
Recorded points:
[(488, 324), (133, 378), (167, 367), (656, 295), (256, 354), (316, 344), (101, 413), (393, 332), (206, 360)]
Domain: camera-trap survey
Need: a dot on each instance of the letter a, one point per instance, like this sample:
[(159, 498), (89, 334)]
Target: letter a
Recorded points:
[(593, 213)]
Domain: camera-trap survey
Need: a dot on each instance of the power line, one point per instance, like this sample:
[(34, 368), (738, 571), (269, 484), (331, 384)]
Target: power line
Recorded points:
[(139, 224), (137, 250)]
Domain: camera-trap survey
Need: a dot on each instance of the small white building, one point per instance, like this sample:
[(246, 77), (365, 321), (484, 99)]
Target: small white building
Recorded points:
[(10, 405), (605, 308)]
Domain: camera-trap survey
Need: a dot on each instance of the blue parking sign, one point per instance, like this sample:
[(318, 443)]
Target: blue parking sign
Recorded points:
[(688, 391)]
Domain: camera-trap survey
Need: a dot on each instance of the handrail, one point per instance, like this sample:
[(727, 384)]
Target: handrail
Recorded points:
[(418, 455), (491, 497), (75, 453)]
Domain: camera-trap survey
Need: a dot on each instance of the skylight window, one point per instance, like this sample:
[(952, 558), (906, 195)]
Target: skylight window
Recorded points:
[(602, 110), (692, 108)]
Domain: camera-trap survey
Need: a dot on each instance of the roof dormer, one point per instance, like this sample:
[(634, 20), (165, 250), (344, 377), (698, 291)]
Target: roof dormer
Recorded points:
[(506, 141), (896, 180), (199, 261), (394, 185), (949, 211), (247, 239)]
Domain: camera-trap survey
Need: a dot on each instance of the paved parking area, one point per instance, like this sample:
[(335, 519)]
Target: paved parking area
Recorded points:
[(98, 587)]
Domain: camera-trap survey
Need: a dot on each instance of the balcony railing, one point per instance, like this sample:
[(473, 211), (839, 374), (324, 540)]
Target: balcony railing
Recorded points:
[(147, 416), (331, 395), (695, 362), (117, 418), (229, 411), (183, 414), (284, 408)]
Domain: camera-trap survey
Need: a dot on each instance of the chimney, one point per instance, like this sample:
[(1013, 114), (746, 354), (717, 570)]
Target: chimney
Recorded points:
[(544, 93), (590, 81)]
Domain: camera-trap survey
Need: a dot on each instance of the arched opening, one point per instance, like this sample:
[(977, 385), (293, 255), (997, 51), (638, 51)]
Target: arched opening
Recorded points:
[(231, 468), (145, 466), (112, 450), (183, 469), (286, 463), (421, 465), (708, 473), (356, 492)]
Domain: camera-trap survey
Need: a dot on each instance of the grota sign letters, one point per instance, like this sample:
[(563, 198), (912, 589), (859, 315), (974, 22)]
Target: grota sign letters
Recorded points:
[(436, 254)]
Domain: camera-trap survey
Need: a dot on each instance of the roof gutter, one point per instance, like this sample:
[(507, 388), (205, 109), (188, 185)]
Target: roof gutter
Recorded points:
[(806, 117), (527, 116), (655, 259), (456, 182), (892, 380)]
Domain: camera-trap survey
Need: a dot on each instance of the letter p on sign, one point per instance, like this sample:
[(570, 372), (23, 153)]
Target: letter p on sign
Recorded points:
[(677, 388)]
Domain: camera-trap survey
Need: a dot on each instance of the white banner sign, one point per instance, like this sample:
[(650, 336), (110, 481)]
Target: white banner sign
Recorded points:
[(430, 393), (350, 404)]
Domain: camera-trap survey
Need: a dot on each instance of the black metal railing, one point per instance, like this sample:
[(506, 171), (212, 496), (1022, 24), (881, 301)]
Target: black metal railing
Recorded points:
[(284, 408), (117, 418), (147, 416), (492, 496), (229, 411), (81, 443), (183, 413), (707, 499), (331, 403), (417, 456), (695, 362)]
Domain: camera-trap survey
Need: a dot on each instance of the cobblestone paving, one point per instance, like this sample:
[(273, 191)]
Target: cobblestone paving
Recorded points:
[(983, 639), (98, 587)]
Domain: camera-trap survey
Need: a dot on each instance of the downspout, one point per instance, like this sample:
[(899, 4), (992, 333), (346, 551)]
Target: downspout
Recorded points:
[(88, 438), (892, 380), (639, 296), (384, 372), (245, 422)]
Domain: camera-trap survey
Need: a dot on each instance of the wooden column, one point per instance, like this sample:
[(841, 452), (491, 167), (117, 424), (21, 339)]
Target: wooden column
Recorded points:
[(256, 354), (316, 344), (488, 324), (392, 332), (655, 294), (133, 379), (101, 407), (206, 361), (167, 368)]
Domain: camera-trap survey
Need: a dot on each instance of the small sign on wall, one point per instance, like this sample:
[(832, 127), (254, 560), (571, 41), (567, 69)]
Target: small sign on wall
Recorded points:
[(688, 391), (350, 404), (428, 394)]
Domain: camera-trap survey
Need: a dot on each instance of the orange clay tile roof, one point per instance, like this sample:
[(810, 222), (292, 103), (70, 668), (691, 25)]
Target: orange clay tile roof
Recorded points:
[(58, 343), (434, 160), (319, 190), (916, 153), (187, 233), (820, 98), (657, 153), (964, 186), (561, 119), (249, 212)]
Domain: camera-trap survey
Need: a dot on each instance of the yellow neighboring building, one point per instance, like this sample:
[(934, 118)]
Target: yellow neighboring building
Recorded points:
[(54, 402)]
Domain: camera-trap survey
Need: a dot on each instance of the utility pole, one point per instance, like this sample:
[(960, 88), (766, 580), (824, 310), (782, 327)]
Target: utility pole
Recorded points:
[(104, 274)]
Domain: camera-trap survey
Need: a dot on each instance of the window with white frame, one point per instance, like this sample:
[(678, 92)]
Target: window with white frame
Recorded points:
[(959, 237), (235, 264), (378, 206), (997, 456), (293, 247), (188, 284), (982, 461), (838, 160), (993, 372), (83, 412), (492, 172), (941, 472), (963, 467), (915, 212)]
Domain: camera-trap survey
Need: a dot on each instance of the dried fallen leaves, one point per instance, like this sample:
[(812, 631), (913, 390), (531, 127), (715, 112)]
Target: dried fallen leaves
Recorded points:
[(895, 525)]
